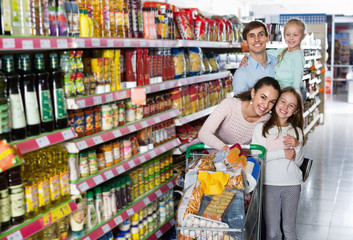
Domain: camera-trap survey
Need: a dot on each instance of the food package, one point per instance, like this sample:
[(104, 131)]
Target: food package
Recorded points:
[(210, 29), (187, 62), (206, 64), (212, 59), (195, 56), (201, 100), (179, 62), (213, 183), (176, 96), (186, 102), (235, 181), (200, 28), (193, 91), (218, 205), (184, 26)]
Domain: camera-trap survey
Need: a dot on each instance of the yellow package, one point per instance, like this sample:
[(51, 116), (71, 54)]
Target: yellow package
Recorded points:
[(110, 54), (116, 62)]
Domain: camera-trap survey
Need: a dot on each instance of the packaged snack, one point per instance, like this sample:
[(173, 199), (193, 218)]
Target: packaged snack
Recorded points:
[(184, 26), (212, 59), (199, 28), (210, 29), (218, 205), (195, 56), (194, 201), (179, 63), (187, 62), (201, 104), (193, 92), (176, 96), (186, 102), (206, 64), (236, 182)]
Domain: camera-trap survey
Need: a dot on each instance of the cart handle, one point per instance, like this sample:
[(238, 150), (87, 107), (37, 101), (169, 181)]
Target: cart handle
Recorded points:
[(203, 146)]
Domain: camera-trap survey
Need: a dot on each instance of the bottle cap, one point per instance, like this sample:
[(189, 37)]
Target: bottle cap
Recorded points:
[(106, 189), (97, 190), (89, 194), (8, 63), (39, 61)]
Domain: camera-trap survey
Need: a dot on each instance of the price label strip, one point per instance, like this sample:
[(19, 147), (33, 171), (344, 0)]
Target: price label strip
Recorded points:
[(97, 100), (109, 97), (170, 185), (83, 187), (80, 42), (98, 179), (106, 228), (27, 44), (82, 145), (8, 43), (43, 141), (146, 201), (131, 164), (116, 133), (45, 43), (97, 140), (118, 220), (15, 236), (159, 234), (159, 193), (68, 134), (130, 212), (60, 212), (120, 169), (109, 174)]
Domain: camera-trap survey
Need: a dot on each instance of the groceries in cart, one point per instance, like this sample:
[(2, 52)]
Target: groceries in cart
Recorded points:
[(212, 206)]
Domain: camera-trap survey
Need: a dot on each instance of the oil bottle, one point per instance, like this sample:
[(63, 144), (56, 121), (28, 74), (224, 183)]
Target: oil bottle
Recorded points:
[(43, 181), (64, 173), (4, 203), (54, 179), (16, 195), (6, 17), (5, 128), (31, 187), (44, 95)]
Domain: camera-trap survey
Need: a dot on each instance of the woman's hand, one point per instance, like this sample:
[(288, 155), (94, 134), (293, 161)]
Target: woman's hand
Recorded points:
[(244, 61), (290, 141), (225, 148), (289, 154)]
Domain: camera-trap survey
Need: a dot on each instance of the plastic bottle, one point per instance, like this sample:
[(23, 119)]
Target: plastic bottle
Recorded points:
[(69, 75), (54, 178), (51, 233), (118, 194), (29, 96), (90, 24), (6, 17), (91, 211), (84, 28), (106, 26), (18, 119), (62, 19), (128, 189), (77, 217), (92, 162), (113, 198), (107, 210), (4, 203), (63, 225), (98, 204), (31, 189), (77, 59), (75, 19), (64, 173)]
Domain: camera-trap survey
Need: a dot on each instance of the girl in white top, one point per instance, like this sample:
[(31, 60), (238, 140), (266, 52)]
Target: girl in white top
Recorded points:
[(282, 136)]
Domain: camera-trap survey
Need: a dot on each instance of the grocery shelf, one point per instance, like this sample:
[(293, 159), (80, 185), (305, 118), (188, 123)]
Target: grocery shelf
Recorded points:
[(182, 148), (311, 125), (59, 43), (308, 58), (312, 95), (307, 76), (162, 228), (44, 140), (157, 87), (88, 101), (315, 80), (232, 65), (40, 222), (308, 65), (312, 108), (136, 206), (194, 116), (87, 183), (83, 143), (203, 78)]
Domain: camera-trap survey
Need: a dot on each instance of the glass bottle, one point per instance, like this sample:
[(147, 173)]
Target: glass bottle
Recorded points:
[(18, 119), (5, 128), (5, 13), (16, 195), (57, 90), (4, 203), (29, 96), (44, 96)]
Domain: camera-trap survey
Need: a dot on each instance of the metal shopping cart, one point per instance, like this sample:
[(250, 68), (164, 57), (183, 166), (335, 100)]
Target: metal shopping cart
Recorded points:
[(251, 227)]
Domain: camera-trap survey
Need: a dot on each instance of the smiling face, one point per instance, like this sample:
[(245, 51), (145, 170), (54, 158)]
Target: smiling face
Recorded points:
[(293, 35), (286, 106), (256, 40), (264, 99)]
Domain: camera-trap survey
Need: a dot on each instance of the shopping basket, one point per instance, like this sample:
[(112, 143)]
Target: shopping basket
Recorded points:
[(251, 227)]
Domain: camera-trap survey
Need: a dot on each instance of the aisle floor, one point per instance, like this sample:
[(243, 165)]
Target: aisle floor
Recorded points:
[(326, 204)]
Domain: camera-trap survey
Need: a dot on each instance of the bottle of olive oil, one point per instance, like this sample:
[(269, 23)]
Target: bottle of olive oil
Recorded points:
[(5, 128), (30, 186), (54, 176), (5, 213), (43, 181), (16, 195)]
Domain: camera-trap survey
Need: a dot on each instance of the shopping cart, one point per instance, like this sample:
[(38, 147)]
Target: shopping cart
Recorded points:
[(251, 228)]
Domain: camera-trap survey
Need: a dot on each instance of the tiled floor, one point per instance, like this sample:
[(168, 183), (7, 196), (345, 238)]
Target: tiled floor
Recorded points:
[(326, 204)]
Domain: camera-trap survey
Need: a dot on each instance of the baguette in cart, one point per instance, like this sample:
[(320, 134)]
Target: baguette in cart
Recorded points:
[(222, 194)]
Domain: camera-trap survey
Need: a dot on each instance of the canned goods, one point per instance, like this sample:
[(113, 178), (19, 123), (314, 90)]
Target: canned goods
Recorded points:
[(167, 173), (171, 172), (163, 176), (156, 166), (141, 188), (146, 184), (150, 169), (151, 181), (157, 179), (140, 173), (134, 177)]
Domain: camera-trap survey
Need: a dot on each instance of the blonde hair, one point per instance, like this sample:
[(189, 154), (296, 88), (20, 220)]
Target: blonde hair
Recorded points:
[(300, 24)]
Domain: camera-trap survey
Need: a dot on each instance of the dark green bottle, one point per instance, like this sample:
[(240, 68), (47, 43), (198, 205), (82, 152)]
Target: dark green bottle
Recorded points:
[(29, 96), (18, 119), (44, 95), (5, 128), (5, 214), (57, 89)]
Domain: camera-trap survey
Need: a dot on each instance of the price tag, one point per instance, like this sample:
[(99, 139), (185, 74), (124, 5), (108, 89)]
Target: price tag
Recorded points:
[(130, 212), (118, 220), (60, 212), (62, 43), (157, 119), (110, 43), (142, 159), (123, 95), (8, 43), (109, 97), (68, 134), (120, 169), (82, 145), (171, 84), (153, 154), (159, 193), (170, 185), (146, 201), (131, 164), (172, 222), (45, 43), (132, 128), (46, 219), (143, 43), (109, 174), (97, 140), (15, 236), (98, 179), (163, 149), (81, 103), (96, 42), (83, 187), (148, 89), (173, 114), (162, 86), (116, 133), (106, 228), (27, 44), (43, 141), (159, 234), (144, 124), (127, 43), (97, 100), (80, 42)]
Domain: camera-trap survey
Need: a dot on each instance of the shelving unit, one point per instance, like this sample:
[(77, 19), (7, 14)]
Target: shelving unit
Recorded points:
[(40, 222), (194, 116), (182, 148), (136, 206), (162, 228), (312, 108), (311, 125)]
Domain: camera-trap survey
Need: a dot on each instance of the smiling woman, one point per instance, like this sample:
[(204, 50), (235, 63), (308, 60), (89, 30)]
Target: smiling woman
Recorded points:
[(235, 118)]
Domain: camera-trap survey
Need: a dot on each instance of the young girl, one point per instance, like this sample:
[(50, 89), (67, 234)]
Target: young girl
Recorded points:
[(290, 66), (282, 136)]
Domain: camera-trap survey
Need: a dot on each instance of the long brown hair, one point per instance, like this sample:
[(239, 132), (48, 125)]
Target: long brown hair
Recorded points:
[(291, 21), (265, 81), (296, 120)]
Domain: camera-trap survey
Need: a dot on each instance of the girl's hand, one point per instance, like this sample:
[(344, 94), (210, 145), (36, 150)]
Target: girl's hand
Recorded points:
[(289, 154), (225, 148), (244, 61), (290, 141)]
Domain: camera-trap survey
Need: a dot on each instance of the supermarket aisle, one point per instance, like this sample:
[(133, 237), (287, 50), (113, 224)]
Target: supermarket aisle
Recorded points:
[(326, 205)]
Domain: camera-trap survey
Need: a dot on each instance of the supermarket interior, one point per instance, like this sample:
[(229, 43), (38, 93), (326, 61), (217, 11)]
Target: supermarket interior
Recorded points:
[(122, 120)]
